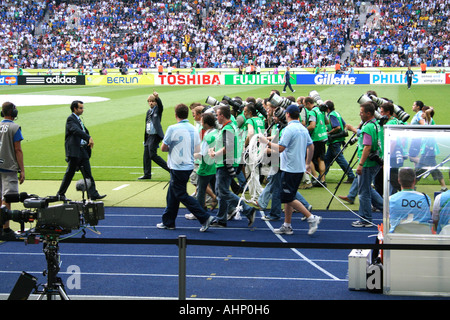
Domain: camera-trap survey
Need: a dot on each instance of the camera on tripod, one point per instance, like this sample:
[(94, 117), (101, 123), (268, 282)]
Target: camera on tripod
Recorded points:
[(58, 219)]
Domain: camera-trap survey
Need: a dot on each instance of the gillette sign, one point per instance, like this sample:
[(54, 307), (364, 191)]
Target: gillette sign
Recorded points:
[(333, 79)]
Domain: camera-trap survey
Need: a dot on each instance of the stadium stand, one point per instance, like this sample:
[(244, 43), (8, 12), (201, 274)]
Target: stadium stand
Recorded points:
[(92, 35)]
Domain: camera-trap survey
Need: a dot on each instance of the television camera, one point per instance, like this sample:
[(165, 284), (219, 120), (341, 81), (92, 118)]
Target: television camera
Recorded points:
[(57, 219), (51, 223)]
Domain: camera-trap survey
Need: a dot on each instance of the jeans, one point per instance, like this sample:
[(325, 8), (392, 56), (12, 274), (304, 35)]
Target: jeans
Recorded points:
[(332, 151), (367, 195), (226, 197), (176, 193), (202, 184)]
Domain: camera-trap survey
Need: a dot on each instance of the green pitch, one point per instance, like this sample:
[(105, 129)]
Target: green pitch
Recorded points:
[(117, 125)]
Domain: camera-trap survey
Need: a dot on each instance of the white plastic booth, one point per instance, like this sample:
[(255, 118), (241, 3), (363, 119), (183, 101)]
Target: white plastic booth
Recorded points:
[(416, 272)]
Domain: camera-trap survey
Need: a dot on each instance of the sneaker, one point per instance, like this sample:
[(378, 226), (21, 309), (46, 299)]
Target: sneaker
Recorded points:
[(283, 230), (318, 184), (269, 218), (190, 216), (346, 199), (206, 225), (163, 226), (443, 189), (217, 223), (361, 224), (251, 218), (232, 214), (313, 223), (306, 186)]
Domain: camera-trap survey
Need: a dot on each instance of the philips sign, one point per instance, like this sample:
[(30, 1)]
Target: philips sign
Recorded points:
[(391, 78), (333, 79)]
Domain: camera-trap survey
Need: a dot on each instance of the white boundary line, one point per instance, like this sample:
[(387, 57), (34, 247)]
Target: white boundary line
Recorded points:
[(299, 253)]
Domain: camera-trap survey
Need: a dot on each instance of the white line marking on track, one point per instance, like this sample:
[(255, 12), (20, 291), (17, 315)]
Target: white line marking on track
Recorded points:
[(299, 253)]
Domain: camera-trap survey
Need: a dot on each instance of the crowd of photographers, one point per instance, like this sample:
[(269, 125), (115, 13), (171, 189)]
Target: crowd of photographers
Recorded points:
[(144, 34), (328, 131)]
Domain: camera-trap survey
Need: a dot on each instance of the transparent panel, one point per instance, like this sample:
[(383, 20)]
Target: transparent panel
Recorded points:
[(417, 210)]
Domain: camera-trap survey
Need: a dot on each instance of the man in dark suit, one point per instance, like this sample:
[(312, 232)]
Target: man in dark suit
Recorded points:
[(78, 145), (153, 136)]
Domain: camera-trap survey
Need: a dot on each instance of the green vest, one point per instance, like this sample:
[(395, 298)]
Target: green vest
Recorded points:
[(257, 124), (320, 131), (373, 129), (341, 124), (230, 154), (207, 165), (392, 121)]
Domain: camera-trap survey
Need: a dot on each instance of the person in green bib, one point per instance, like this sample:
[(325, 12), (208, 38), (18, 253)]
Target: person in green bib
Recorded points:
[(206, 172), (368, 143), (317, 127), (335, 126), (227, 160), (255, 125), (387, 112)]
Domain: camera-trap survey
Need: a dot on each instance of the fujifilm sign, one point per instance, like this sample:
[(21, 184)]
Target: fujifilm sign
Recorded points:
[(254, 79), (333, 79)]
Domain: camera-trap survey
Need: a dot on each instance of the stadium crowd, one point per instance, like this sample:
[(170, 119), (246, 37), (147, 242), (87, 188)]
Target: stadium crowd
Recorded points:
[(402, 33), (213, 33)]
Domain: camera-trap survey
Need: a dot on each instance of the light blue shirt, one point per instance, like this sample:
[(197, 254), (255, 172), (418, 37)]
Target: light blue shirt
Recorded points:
[(417, 117), (441, 210), (411, 205), (295, 139), (181, 138)]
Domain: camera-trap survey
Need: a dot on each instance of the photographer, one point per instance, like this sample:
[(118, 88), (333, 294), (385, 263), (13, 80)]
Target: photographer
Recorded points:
[(226, 157), (316, 125), (369, 146), (336, 139), (387, 111), (11, 163)]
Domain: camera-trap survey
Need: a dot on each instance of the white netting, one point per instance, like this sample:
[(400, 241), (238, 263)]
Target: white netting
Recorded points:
[(253, 156)]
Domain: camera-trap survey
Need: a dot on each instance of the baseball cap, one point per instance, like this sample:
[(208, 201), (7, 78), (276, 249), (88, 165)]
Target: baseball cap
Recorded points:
[(292, 108)]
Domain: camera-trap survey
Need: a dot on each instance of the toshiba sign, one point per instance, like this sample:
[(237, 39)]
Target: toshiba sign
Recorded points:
[(190, 79)]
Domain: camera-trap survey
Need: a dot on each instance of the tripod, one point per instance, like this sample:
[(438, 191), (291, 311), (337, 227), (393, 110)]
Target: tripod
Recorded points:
[(54, 286), (342, 178)]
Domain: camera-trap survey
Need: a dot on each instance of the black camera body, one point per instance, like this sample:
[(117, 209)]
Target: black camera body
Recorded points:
[(374, 156), (340, 134), (57, 219)]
